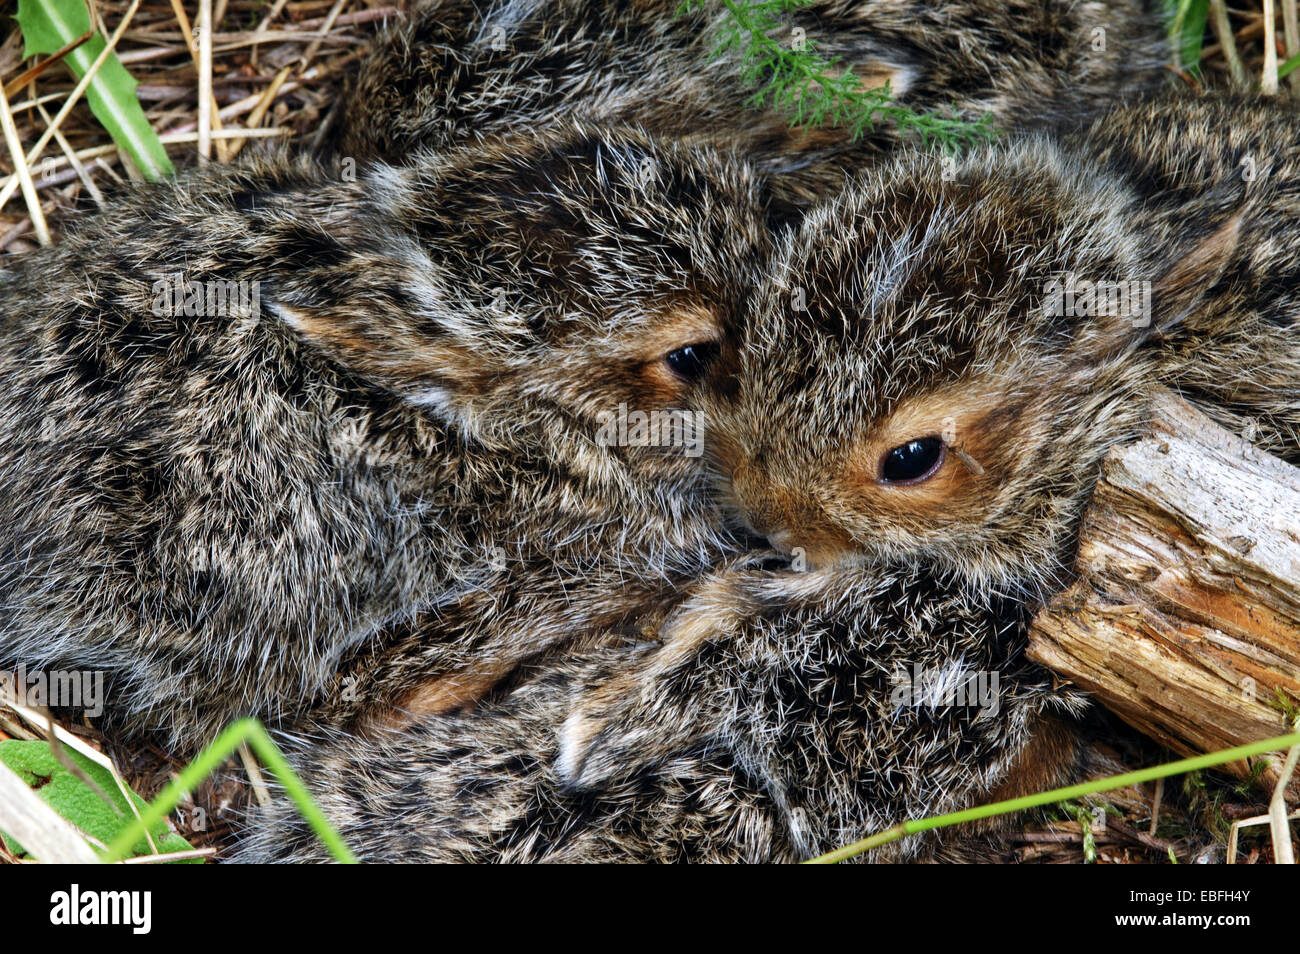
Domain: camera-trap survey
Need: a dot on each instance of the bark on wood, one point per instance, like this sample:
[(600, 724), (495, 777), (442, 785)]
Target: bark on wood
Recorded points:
[(1185, 619)]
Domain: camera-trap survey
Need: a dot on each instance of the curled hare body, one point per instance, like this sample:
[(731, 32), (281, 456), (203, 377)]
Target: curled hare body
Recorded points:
[(257, 420)]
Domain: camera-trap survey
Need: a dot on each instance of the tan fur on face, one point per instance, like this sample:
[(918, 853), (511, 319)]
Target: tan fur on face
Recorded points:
[(977, 419), (966, 417), (686, 323)]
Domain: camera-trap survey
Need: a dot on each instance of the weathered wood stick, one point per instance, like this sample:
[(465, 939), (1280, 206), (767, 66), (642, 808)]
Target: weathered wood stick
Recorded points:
[(1185, 618), (38, 827)]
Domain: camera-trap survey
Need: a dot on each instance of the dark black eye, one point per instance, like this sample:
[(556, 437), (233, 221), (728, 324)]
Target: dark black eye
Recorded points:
[(912, 462), (690, 362)]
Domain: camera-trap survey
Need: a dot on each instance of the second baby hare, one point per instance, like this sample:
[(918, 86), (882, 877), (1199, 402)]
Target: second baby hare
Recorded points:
[(255, 419)]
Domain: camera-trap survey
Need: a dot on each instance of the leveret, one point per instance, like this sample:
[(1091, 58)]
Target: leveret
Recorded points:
[(937, 364), (918, 382), (456, 71), (255, 421)]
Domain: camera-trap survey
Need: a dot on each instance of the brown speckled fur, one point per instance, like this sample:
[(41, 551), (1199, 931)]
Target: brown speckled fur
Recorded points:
[(216, 510), (760, 729), (1237, 354), (457, 70)]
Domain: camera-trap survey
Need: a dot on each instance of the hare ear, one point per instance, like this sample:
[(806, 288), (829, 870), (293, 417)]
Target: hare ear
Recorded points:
[(1193, 273), (422, 369), (876, 72), (1153, 308)]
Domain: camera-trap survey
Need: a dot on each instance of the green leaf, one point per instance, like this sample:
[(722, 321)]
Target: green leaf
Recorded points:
[(76, 801), (1187, 20), (1288, 67), (50, 25)]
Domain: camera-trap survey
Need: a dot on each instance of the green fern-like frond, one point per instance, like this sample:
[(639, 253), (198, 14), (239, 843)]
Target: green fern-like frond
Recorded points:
[(816, 91)]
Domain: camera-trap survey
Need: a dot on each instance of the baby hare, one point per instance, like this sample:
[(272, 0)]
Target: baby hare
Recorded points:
[(457, 70), (930, 373), (254, 420), (937, 363)]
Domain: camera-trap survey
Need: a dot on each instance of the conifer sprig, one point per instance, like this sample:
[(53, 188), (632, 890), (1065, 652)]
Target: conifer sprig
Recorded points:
[(813, 90)]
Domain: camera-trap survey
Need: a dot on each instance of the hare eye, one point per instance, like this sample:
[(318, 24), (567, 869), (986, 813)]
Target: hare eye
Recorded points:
[(912, 462), (690, 362)]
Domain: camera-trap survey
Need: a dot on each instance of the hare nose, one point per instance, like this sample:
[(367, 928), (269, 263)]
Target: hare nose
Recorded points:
[(764, 520)]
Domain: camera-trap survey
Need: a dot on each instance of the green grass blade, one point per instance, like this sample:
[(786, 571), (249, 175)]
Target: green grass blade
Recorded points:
[(49, 25), (1287, 68), (1187, 19), (1057, 795), (252, 732)]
